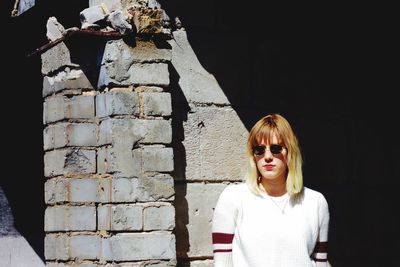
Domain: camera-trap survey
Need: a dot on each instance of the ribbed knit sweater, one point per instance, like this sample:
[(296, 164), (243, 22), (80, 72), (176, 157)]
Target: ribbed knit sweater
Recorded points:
[(264, 231)]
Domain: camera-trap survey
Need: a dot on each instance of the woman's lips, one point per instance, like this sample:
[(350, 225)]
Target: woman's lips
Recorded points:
[(268, 167)]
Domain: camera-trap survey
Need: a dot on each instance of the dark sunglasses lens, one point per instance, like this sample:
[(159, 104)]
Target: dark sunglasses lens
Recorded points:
[(276, 149), (258, 150)]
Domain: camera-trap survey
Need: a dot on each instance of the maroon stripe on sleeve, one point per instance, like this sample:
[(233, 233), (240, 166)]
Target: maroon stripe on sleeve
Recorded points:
[(321, 247), (319, 260), (222, 238), (222, 250)]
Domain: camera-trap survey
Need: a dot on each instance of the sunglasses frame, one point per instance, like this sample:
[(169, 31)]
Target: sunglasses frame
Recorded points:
[(275, 149)]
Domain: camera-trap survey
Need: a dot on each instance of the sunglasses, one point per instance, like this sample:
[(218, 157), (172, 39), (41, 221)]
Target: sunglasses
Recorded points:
[(260, 150)]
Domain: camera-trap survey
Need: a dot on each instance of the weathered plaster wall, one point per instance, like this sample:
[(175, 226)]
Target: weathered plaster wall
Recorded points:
[(212, 149)]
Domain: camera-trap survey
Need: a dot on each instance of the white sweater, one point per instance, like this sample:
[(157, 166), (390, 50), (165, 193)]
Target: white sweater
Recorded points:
[(264, 231)]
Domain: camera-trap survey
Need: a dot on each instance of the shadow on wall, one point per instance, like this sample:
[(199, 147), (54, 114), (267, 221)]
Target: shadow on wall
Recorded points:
[(22, 180), (180, 109), (328, 72)]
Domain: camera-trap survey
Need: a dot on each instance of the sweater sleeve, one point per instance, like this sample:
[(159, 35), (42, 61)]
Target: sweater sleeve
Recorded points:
[(320, 254), (223, 226)]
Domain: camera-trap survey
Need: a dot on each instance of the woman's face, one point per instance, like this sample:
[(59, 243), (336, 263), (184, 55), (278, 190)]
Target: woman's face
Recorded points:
[(272, 165)]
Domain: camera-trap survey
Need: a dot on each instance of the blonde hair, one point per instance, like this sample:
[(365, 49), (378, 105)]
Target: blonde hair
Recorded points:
[(262, 130)]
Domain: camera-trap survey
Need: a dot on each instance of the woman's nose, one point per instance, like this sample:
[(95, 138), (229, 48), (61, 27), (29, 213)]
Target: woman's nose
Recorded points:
[(268, 155)]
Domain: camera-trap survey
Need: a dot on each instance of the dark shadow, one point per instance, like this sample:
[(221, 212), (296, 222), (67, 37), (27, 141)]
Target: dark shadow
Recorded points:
[(87, 51), (180, 109), (6, 219), (329, 70), (22, 179)]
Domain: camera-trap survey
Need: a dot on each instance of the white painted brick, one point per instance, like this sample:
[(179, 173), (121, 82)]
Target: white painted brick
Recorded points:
[(105, 132), (125, 189), (120, 159), (59, 107), (48, 138), (127, 132), (83, 190), (69, 161), (80, 107), (158, 159), (124, 73), (56, 247), (54, 162), (120, 217), (55, 190), (117, 103), (158, 216), (50, 191), (66, 218), (70, 134), (157, 131), (156, 188), (123, 133), (64, 247), (157, 104), (85, 247), (54, 136), (142, 246), (81, 134), (53, 109)]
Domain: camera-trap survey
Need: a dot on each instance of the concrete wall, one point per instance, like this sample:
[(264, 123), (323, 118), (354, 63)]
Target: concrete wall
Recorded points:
[(108, 158), (114, 148), (209, 149), (139, 149)]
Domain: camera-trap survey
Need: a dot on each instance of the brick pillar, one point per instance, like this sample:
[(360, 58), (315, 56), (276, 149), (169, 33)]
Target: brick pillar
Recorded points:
[(108, 158)]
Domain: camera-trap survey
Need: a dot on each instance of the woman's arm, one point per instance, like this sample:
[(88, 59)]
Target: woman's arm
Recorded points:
[(320, 253), (223, 227)]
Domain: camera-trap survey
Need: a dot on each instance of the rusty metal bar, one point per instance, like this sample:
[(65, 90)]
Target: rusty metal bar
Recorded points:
[(71, 32)]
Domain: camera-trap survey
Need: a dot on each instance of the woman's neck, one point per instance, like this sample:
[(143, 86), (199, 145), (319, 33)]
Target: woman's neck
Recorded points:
[(274, 187)]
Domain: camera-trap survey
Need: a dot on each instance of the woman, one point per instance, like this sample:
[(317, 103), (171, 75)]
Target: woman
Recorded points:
[(271, 220)]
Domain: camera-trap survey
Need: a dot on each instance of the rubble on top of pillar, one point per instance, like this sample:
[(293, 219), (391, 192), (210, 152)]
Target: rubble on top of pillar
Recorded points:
[(54, 29)]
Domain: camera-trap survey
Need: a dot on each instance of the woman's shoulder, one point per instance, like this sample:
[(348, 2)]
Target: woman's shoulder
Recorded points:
[(235, 189), (313, 195), (231, 195), (234, 192)]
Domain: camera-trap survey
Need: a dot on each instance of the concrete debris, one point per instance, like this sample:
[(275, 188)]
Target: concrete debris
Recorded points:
[(94, 14), (166, 20), (147, 21), (72, 29), (141, 16), (119, 22), (178, 23), (54, 29), (135, 17), (153, 4)]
